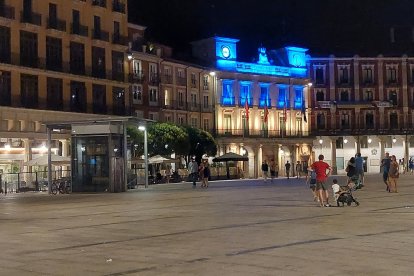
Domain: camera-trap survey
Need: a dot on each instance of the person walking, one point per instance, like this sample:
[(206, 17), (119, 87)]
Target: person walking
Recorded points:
[(393, 175), (193, 170), (359, 166), (287, 167), (385, 165), (272, 170), (322, 170), (411, 165), (265, 170), (298, 169), (205, 175)]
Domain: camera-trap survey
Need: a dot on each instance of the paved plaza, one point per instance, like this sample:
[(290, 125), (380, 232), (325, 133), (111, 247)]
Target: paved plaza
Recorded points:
[(243, 227)]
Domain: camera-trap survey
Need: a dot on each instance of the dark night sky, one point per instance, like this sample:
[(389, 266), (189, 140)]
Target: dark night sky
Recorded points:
[(340, 27)]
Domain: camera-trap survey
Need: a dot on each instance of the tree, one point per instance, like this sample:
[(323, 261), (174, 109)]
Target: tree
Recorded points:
[(201, 142), (167, 138)]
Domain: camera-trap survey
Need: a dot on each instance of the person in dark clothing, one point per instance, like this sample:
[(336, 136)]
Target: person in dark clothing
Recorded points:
[(385, 164), (287, 167), (265, 170)]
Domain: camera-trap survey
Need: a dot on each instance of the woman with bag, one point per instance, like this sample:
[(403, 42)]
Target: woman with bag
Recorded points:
[(351, 168), (393, 175)]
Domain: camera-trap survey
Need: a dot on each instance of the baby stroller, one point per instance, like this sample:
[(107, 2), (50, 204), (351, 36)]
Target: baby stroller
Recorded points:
[(345, 196)]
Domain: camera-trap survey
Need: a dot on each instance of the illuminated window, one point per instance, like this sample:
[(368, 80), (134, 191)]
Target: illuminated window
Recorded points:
[(298, 98), (264, 96), (227, 93), (283, 99), (245, 94)]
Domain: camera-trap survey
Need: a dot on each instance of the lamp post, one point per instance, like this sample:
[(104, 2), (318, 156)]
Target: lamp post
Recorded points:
[(144, 129)]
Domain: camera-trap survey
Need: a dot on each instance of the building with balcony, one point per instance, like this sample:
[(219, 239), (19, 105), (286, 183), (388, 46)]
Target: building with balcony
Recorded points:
[(165, 89), (362, 104), (260, 107), (59, 60)]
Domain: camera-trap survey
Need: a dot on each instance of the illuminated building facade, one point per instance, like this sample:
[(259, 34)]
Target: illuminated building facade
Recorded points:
[(59, 60), (168, 90), (260, 107), (362, 104)]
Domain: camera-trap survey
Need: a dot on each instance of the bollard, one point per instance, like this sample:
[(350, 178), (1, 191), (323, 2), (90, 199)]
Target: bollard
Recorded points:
[(5, 187)]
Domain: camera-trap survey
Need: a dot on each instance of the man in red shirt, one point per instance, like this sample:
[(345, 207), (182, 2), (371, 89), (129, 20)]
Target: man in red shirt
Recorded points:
[(322, 170)]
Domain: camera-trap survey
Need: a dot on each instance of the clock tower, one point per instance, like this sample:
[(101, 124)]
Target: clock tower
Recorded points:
[(216, 50)]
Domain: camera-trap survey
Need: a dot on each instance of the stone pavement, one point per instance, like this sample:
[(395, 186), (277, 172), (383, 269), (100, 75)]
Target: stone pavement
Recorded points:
[(244, 227)]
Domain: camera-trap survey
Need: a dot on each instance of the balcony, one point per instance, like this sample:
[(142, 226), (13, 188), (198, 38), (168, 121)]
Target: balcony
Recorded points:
[(154, 79), (117, 6), (119, 39), (136, 77), (99, 3), (100, 35), (7, 12), (31, 18), (181, 81), (56, 24), (167, 79), (261, 133), (79, 29)]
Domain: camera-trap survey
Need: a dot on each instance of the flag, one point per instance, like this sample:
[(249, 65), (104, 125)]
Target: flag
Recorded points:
[(266, 114), (304, 112), (285, 111), (246, 107)]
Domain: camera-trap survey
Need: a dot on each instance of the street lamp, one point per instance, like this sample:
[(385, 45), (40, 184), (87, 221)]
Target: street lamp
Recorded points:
[(394, 140), (345, 140), (144, 129), (369, 140)]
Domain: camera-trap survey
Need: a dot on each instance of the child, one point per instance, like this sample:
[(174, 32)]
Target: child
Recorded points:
[(312, 184), (338, 190)]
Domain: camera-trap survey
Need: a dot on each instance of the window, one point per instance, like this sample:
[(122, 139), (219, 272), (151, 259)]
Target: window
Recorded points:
[(206, 125), (28, 49), (77, 58), (319, 75), (363, 141), (167, 97), (54, 94), (320, 121), (320, 96), (283, 100), (194, 123), (394, 121), (153, 94), (77, 96), (227, 124), (153, 71), (368, 95), (264, 96), (5, 88), (205, 82), (393, 98), (369, 121), (97, 27), (53, 53), (180, 120), (167, 118), (193, 80), (205, 102), (29, 91), (99, 98), (98, 62), (367, 74), (340, 143), (391, 74), (5, 48), (227, 93), (117, 31), (193, 100), (180, 98), (245, 94), (117, 66), (344, 74), (345, 122), (118, 98), (344, 96), (298, 98), (136, 94)]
